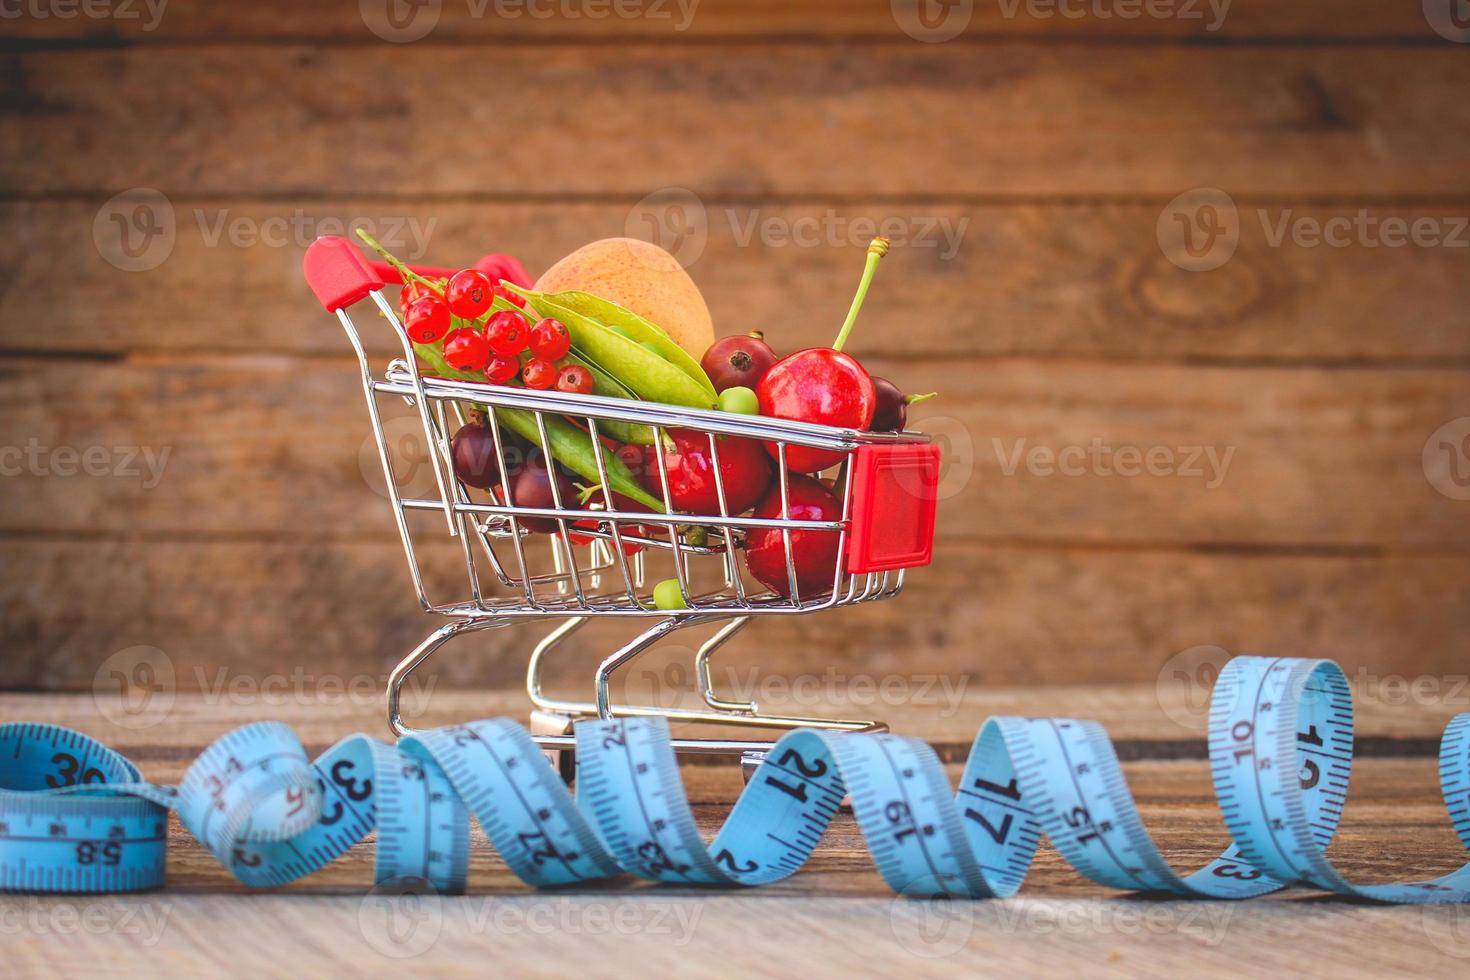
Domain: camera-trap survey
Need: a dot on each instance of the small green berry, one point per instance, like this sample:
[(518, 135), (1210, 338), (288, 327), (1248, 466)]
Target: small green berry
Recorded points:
[(740, 400), (666, 595)]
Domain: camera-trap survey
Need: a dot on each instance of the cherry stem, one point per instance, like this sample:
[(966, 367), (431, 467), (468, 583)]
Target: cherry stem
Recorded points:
[(408, 274), (915, 399), (876, 250)]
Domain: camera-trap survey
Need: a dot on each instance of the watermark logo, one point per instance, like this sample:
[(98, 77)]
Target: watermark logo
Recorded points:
[(1448, 928), (1199, 230), (928, 924), (932, 21), (135, 230), (1446, 459), (143, 463), (400, 21), (1450, 19), (135, 688), (956, 452), (674, 219), (401, 918), (1186, 683), (408, 454)]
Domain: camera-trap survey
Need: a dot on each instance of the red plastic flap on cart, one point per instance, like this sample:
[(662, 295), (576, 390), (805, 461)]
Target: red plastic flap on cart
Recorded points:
[(337, 272), (894, 499)]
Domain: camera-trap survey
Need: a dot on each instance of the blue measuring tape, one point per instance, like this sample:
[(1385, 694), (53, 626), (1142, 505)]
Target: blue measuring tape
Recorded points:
[(76, 816)]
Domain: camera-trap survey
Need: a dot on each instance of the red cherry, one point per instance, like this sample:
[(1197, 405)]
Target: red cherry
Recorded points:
[(532, 488), (538, 374), (473, 452), (469, 293), (501, 369), (508, 333), (814, 553), (574, 379), (550, 340), (426, 319), (466, 350), (891, 411), (737, 362), (744, 469), (817, 385)]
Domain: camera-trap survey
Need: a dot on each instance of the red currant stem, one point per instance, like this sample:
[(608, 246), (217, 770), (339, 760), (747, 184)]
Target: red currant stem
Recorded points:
[(408, 274), (915, 399), (876, 250)]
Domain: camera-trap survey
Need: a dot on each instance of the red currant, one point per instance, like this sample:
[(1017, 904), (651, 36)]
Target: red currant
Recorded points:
[(510, 297), (501, 369), (466, 350), (539, 374), (574, 379), (470, 293), (550, 340), (412, 290), (508, 333), (426, 319)]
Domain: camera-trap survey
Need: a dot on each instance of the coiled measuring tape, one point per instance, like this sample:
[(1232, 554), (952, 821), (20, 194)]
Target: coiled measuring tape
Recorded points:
[(76, 816)]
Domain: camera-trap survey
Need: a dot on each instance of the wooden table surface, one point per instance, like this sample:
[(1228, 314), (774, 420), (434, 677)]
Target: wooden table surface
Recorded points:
[(834, 915)]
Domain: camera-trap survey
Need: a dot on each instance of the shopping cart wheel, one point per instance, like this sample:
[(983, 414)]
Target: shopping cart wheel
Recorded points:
[(564, 761)]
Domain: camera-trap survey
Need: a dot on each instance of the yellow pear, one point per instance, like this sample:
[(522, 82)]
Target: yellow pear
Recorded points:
[(640, 277)]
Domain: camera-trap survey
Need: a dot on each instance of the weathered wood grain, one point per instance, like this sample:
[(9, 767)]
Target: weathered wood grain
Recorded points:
[(280, 446), (1053, 280), (337, 611), (494, 22), (836, 911), (758, 120)]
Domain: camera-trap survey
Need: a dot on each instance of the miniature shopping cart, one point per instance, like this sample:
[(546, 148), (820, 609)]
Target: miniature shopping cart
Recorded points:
[(600, 558)]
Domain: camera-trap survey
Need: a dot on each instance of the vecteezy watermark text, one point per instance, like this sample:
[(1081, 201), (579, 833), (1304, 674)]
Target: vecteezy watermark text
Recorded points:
[(1211, 12), (405, 21), (1099, 458), (1201, 229), (125, 462)]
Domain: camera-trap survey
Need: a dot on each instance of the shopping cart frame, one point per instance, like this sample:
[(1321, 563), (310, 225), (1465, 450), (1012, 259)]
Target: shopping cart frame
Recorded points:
[(341, 278)]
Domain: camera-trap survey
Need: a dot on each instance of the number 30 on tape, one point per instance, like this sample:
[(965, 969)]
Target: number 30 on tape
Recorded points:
[(76, 816)]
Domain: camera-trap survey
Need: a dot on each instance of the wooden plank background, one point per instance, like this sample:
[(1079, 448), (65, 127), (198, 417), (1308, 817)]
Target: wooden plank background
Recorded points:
[(1048, 147)]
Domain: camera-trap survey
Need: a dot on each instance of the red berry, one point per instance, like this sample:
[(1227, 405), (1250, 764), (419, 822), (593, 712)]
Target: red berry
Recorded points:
[(737, 362), (510, 297), (411, 291), (891, 411), (508, 333), (550, 340), (574, 379), (466, 350), (499, 370), (470, 293), (539, 374), (426, 319)]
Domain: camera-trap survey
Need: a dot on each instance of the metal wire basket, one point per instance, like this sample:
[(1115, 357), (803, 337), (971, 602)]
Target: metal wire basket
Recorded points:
[(600, 557)]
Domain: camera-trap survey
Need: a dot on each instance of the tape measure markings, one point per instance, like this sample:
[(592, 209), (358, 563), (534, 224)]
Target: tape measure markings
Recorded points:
[(77, 816)]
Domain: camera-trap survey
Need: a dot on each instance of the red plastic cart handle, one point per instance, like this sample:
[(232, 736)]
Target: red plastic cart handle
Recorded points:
[(340, 275)]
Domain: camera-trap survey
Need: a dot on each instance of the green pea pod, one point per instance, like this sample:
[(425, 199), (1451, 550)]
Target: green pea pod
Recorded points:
[(603, 384), (650, 376), (573, 448), (636, 328), (569, 445)]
